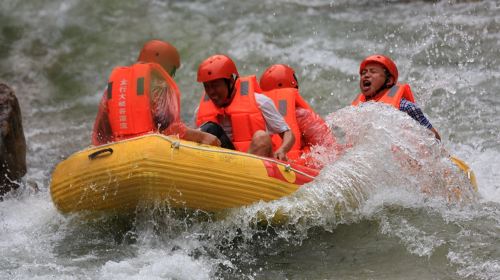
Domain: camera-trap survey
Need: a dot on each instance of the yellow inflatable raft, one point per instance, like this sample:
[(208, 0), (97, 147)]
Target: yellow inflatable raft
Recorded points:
[(155, 167)]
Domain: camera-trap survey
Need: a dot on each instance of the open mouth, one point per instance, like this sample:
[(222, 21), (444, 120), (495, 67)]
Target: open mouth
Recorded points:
[(365, 85)]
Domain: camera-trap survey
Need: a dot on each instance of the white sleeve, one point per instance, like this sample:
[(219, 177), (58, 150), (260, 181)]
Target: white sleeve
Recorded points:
[(275, 123)]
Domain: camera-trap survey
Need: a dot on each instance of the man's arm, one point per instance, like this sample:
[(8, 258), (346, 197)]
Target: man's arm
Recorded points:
[(286, 145), (190, 134), (436, 134), (198, 136), (276, 124), (314, 129), (416, 113)]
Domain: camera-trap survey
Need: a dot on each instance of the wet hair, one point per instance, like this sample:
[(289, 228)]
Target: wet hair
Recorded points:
[(164, 104)]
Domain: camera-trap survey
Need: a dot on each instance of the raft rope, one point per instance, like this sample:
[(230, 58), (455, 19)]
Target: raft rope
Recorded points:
[(176, 144)]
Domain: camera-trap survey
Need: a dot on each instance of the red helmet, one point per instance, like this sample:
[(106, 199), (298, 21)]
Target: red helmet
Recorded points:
[(163, 53), (385, 61), (278, 76), (217, 66)]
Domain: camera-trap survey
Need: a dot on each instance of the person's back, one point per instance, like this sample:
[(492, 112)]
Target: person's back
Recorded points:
[(146, 99), (280, 83)]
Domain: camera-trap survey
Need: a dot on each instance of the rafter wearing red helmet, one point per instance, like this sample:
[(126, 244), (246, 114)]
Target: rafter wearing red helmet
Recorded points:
[(143, 98), (247, 118), (379, 83), (279, 82)]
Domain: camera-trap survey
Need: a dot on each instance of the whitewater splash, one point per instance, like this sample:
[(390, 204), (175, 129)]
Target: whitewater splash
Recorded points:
[(358, 185), (382, 151)]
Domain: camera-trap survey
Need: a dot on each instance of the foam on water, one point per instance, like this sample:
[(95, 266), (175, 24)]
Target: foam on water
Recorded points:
[(158, 264)]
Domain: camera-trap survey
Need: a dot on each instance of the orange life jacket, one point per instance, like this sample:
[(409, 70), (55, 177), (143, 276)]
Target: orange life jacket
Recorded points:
[(391, 96), (244, 113), (286, 101), (128, 99)]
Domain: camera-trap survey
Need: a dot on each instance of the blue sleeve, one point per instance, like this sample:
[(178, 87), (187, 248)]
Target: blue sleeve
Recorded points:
[(415, 112)]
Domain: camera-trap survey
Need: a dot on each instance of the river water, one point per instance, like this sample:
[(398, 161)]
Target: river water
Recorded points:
[(367, 216)]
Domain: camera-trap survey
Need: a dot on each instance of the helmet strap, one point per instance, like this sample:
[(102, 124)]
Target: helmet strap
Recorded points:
[(230, 89), (296, 81), (383, 87), (387, 78), (172, 72)]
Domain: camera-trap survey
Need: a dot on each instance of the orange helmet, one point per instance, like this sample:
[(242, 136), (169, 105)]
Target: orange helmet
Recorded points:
[(160, 52), (385, 61), (217, 66), (278, 76)]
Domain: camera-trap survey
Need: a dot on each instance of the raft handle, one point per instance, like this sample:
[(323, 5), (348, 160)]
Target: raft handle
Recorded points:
[(288, 168), (175, 145), (94, 155)]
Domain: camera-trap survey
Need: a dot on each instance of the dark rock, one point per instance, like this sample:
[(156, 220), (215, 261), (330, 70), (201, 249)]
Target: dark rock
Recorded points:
[(12, 142)]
